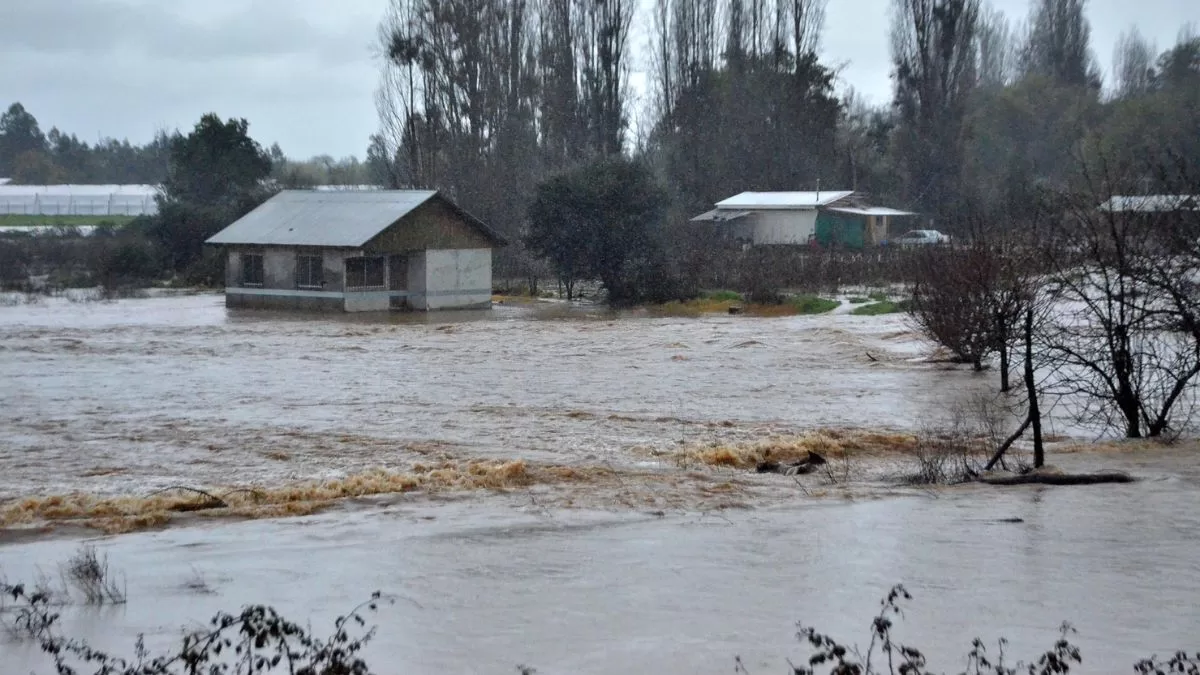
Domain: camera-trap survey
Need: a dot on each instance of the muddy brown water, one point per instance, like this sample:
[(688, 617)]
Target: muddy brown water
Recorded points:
[(134, 395), (126, 396)]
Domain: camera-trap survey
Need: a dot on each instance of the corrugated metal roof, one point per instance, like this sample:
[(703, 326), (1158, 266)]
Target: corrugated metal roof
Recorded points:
[(783, 200), (1151, 203), (322, 218), (720, 215), (872, 211)]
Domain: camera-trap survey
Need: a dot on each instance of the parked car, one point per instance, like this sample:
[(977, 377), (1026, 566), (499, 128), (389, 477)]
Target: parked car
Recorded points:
[(921, 238)]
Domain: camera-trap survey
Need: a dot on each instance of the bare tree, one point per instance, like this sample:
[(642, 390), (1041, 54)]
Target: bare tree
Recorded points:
[(561, 125), (1133, 64), (997, 49), (934, 51), (808, 22), (972, 300), (1058, 45), (1124, 338), (603, 30)]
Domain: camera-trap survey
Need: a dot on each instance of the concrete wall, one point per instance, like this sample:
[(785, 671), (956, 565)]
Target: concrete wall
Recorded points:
[(784, 226), (334, 264), (368, 301), (291, 300), (450, 279), (416, 280), (233, 267)]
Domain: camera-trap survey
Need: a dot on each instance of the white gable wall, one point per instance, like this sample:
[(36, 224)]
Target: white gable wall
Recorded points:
[(443, 279), (784, 226)]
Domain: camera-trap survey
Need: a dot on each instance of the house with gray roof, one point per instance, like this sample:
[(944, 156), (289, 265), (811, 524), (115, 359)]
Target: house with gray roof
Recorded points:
[(839, 218), (358, 250)]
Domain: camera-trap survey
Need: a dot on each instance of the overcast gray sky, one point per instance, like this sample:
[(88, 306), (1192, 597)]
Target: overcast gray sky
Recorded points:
[(303, 72)]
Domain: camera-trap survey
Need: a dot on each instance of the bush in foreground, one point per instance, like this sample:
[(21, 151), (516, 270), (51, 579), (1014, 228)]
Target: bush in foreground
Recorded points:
[(258, 640), (255, 640)]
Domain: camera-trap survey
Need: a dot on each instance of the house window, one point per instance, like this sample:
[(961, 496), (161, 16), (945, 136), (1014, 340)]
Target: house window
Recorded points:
[(310, 271), (252, 269), (364, 274)]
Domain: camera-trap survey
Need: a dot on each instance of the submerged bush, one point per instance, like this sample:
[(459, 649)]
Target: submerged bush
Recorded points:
[(885, 307), (811, 304)]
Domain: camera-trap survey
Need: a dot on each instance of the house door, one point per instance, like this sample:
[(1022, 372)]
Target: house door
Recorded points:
[(398, 272)]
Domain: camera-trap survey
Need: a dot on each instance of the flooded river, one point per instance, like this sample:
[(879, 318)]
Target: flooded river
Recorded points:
[(482, 588), (142, 394), (130, 396)]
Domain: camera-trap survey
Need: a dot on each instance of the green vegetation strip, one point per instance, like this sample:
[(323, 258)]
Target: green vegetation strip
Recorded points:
[(23, 220)]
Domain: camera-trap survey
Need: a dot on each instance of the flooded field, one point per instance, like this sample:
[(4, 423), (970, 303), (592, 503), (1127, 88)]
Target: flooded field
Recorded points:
[(546, 490)]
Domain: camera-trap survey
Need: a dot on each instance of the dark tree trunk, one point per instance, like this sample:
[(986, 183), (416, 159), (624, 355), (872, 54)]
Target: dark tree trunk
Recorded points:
[(1127, 402), (1035, 415), (1004, 383)]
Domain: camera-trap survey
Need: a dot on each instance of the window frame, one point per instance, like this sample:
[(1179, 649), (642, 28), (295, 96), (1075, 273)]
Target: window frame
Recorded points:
[(247, 266), (366, 260), (301, 269)]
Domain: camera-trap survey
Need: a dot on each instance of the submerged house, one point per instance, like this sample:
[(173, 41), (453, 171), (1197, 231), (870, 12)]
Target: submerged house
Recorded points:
[(825, 218), (358, 251)]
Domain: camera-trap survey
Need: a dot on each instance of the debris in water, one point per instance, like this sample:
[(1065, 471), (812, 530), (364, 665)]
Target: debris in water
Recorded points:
[(802, 466)]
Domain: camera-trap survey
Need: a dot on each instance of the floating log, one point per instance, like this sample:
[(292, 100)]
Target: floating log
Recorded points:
[(1059, 479)]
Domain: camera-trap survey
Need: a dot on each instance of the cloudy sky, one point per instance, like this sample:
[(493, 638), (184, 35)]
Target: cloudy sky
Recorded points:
[(303, 72)]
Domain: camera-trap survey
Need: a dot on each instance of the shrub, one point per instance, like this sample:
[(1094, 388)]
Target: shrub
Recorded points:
[(877, 296), (811, 304), (831, 656), (857, 299), (255, 640), (88, 572)]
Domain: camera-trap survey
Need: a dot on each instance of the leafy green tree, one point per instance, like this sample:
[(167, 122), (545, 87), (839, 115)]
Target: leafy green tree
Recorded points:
[(603, 221), (218, 164), (19, 134), (217, 174), (34, 167)]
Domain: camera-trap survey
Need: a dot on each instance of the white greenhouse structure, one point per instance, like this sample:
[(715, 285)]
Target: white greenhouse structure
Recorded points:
[(78, 200)]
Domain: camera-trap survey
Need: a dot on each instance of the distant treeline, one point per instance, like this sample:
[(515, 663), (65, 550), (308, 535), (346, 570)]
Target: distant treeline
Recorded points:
[(30, 157)]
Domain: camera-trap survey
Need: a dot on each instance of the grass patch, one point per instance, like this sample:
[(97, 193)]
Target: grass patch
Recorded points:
[(877, 296), (811, 304), (37, 220), (691, 308), (719, 302), (722, 296), (885, 307), (857, 299)]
